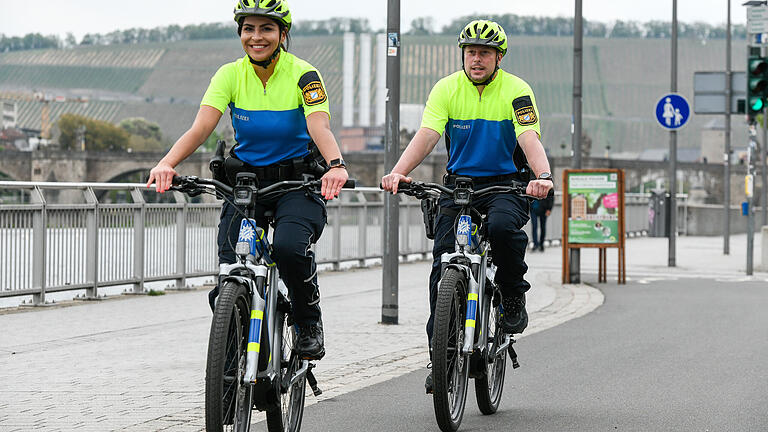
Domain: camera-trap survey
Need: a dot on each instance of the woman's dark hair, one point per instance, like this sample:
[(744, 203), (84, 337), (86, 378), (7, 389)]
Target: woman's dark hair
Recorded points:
[(281, 27)]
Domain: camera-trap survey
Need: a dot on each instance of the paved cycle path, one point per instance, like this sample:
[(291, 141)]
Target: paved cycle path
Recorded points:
[(137, 363), (669, 355)]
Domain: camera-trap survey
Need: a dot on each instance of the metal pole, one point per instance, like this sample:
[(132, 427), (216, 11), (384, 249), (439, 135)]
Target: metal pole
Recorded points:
[(727, 154), (389, 300), (673, 149), (750, 197), (578, 40), (763, 174)]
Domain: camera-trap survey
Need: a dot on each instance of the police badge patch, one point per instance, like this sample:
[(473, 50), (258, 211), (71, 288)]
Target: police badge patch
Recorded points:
[(312, 89), (524, 112)]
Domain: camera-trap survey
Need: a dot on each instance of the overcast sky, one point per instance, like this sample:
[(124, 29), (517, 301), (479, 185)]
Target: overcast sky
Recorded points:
[(79, 17)]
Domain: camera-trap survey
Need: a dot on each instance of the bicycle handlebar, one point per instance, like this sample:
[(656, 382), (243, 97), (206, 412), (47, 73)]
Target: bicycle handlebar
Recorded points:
[(417, 188), (187, 184)]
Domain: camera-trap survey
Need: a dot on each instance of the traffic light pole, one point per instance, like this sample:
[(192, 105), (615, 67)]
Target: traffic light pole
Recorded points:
[(749, 189)]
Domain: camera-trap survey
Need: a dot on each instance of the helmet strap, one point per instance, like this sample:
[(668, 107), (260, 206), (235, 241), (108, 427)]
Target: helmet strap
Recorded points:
[(265, 63)]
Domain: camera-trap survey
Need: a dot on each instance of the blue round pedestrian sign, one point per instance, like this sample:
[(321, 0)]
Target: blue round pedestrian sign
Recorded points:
[(672, 111)]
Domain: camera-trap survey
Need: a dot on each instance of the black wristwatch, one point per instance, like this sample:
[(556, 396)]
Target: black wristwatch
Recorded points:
[(546, 176), (337, 163)]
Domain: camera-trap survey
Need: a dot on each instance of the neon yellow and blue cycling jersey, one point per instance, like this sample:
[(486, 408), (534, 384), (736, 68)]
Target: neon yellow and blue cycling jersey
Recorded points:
[(269, 121), (481, 131)]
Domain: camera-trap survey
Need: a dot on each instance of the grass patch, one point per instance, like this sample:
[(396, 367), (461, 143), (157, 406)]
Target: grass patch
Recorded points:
[(155, 293)]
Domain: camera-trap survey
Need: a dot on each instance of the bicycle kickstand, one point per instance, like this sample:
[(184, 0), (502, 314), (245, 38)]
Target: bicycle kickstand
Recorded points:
[(513, 354), (313, 381)]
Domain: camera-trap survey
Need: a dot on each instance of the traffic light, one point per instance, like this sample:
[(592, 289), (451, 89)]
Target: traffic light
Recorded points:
[(757, 84)]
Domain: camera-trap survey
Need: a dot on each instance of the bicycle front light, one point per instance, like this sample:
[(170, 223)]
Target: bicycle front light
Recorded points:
[(243, 195), (243, 248)]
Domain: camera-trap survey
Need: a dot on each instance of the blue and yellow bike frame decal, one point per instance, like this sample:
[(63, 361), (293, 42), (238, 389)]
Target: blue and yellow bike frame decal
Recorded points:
[(255, 237), (471, 310), (254, 334)]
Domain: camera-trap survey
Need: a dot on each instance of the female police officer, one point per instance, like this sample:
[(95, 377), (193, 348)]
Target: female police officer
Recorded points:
[(278, 104)]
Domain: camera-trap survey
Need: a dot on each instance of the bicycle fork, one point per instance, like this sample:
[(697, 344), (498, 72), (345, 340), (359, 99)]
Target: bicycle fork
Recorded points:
[(474, 303), (258, 307)]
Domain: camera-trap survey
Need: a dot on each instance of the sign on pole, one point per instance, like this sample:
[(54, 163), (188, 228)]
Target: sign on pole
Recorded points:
[(757, 19), (709, 92), (672, 111)]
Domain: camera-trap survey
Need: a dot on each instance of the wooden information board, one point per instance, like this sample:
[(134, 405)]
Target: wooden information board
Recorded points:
[(594, 216)]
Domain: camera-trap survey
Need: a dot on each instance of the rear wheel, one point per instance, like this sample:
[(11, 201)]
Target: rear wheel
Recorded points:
[(489, 386), (450, 369), (287, 416), (228, 401)]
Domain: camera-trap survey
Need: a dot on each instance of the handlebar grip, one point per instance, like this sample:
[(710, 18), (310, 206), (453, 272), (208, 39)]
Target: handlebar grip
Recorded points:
[(350, 184), (177, 180), (403, 186)]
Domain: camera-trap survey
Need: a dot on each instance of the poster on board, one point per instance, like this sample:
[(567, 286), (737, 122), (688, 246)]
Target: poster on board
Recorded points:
[(593, 207)]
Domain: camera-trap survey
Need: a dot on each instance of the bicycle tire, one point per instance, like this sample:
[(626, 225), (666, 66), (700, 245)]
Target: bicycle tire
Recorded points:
[(228, 402), (286, 417), (450, 370), (490, 385)]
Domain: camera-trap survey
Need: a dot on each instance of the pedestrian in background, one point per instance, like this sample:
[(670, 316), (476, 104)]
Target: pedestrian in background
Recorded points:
[(540, 210)]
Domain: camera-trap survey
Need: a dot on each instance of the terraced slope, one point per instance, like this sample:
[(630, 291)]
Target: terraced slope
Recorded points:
[(623, 78)]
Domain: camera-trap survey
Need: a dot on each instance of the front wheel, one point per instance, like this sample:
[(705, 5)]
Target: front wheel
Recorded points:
[(450, 369), (489, 386), (228, 400), (286, 417)]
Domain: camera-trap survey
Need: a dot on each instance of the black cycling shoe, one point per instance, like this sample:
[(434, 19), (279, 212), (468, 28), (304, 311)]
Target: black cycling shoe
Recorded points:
[(311, 341), (515, 318)]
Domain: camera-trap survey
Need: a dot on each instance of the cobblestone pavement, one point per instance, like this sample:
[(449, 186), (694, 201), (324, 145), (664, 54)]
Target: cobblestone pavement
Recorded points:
[(138, 363)]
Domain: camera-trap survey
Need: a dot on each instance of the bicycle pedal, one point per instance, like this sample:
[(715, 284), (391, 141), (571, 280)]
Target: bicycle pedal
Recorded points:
[(312, 381), (513, 356)]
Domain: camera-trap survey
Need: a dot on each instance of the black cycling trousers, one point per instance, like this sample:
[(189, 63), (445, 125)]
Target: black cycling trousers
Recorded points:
[(507, 214), (299, 221)]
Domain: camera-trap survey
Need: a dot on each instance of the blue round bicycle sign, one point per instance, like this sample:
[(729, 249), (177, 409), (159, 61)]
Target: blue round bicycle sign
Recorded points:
[(672, 111)]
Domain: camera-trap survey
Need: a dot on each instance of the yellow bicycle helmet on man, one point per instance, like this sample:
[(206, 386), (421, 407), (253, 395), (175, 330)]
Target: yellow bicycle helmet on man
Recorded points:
[(483, 33)]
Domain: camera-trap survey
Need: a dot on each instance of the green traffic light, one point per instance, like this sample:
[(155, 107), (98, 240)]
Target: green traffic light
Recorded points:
[(756, 104)]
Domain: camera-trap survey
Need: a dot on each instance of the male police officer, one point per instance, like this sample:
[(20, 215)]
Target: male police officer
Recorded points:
[(485, 113)]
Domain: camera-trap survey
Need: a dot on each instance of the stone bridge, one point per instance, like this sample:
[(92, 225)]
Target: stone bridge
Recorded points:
[(73, 166), (64, 166)]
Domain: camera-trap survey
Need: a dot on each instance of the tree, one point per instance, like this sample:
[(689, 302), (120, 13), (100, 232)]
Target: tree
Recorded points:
[(99, 135), (210, 143), (144, 135), (423, 26)]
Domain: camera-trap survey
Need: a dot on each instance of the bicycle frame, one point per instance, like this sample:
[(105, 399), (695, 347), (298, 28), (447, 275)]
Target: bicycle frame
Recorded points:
[(264, 288), (478, 297)]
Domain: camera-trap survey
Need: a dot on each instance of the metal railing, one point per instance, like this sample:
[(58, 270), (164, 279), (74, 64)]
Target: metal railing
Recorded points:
[(47, 247)]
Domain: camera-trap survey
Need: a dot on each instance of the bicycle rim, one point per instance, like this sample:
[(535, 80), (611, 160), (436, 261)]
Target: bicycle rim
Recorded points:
[(287, 417), (228, 401), (450, 370), (488, 388)]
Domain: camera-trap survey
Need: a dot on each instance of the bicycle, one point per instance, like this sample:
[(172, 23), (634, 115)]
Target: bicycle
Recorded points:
[(467, 340), (253, 315)]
